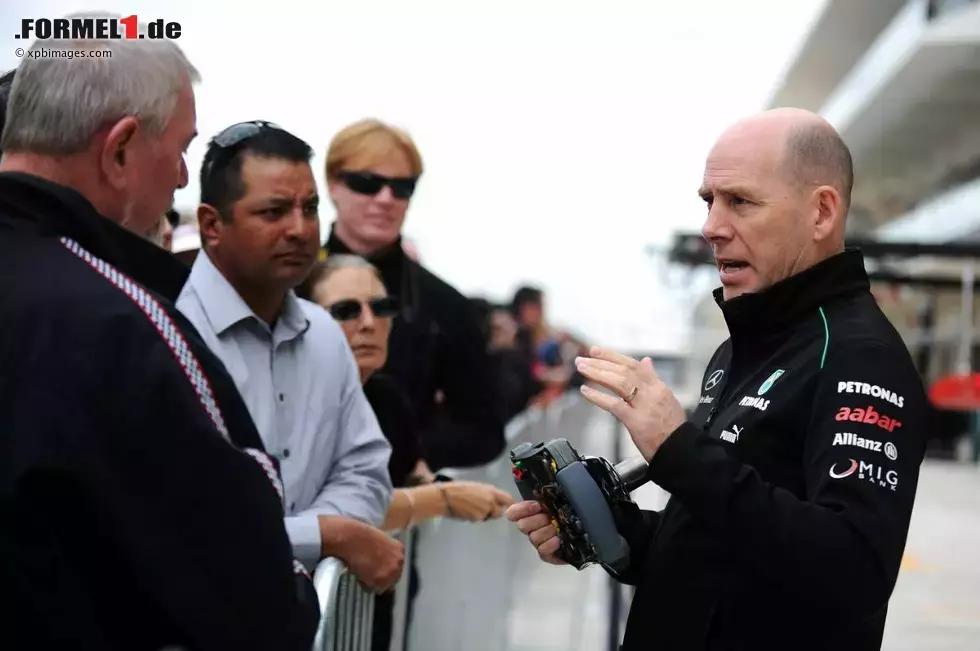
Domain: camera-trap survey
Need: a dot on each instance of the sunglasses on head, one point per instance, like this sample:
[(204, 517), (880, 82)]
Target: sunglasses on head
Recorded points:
[(371, 184), (350, 308), (232, 136), (236, 133)]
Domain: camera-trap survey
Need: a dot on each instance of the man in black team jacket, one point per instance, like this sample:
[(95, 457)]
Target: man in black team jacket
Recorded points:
[(793, 482), (137, 509)]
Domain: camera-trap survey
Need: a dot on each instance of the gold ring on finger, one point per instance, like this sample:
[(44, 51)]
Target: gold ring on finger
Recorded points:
[(629, 399)]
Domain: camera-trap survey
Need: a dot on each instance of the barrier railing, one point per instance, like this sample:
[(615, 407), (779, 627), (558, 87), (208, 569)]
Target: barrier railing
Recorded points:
[(346, 609), (399, 618), (466, 570), (466, 586)]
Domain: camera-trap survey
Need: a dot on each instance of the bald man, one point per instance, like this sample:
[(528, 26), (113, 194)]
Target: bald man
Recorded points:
[(793, 481)]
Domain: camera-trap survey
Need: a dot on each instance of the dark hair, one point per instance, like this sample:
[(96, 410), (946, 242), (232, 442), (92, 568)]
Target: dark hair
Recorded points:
[(524, 296), (173, 217), (221, 172), (6, 82), (818, 155)]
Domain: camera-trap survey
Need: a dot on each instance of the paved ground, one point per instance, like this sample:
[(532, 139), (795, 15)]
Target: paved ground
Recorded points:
[(935, 607), (936, 604)]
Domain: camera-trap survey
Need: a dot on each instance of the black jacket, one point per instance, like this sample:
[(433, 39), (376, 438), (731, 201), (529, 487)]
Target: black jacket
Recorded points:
[(397, 420), (436, 346), (792, 485), (515, 379), (131, 514)]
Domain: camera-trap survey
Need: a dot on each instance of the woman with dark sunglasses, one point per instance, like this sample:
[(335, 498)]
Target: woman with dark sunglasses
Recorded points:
[(436, 347), (350, 288)]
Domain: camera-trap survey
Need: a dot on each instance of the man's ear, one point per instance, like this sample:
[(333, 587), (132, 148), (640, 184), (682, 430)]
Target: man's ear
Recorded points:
[(117, 157), (210, 224), (828, 212)]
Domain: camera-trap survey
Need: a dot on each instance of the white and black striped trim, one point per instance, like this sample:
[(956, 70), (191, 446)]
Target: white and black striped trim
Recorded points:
[(299, 569), (164, 325), (192, 368), (175, 340), (269, 468)]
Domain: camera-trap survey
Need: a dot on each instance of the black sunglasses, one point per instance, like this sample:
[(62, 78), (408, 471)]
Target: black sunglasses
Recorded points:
[(350, 308), (371, 184), (232, 136)]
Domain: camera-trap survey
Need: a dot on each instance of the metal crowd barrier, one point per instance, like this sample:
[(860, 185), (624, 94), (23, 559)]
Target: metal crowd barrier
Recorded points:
[(466, 584), (346, 609), (467, 570)]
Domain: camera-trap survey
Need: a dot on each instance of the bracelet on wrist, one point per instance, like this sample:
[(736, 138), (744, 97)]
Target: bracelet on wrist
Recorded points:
[(445, 497)]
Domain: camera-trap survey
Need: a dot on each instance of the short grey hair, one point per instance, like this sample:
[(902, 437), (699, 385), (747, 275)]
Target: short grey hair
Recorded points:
[(819, 156), (57, 103), (323, 269), (339, 261)]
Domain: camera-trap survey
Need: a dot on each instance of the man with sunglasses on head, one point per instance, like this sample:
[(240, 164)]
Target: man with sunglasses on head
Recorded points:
[(436, 346), (137, 509), (260, 233)]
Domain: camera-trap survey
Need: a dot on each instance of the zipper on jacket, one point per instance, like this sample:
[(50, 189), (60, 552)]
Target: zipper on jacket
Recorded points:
[(722, 397), (711, 417)]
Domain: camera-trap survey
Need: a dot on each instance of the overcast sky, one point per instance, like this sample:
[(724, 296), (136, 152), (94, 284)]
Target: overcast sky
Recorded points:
[(560, 139)]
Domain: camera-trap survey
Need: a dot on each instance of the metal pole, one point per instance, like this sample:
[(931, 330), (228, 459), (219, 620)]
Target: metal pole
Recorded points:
[(403, 594), (964, 364)]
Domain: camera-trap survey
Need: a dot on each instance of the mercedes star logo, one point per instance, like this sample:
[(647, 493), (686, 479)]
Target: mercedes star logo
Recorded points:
[(713, 380)]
